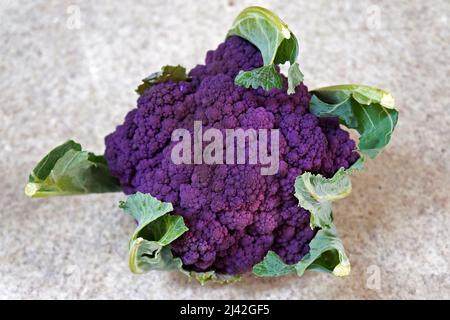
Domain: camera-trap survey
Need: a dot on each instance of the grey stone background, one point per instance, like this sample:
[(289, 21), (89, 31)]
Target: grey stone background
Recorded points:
[(68, 70)]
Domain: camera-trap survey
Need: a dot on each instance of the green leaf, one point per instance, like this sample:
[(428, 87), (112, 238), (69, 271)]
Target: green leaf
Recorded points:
[(213, 277), (272, 266), (287, 51), (43, 168), (266, 77), (145, 209), (276, 43), (149, 247), (265, 30), (147, 255), (326, 254), (173, 73), (315, 194), (295, 77), (67, 170), (368, 110)]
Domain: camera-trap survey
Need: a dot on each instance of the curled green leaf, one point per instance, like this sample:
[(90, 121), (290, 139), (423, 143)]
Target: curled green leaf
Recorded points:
[(266, 31), (276, 43), (174, 73), (149, 247), (147, 255), (316, 193), (326, 254), (68, 170), (368, 110)]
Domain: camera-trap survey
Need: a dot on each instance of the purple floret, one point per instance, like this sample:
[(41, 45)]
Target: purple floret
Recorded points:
[(234, 214)]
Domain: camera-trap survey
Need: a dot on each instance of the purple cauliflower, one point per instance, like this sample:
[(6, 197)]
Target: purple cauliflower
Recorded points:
[(234, 214)]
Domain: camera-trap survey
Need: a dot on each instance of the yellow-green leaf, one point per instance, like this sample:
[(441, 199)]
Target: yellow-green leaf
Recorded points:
[(277, 45), (68, 170), (368, 110), (149, 247)]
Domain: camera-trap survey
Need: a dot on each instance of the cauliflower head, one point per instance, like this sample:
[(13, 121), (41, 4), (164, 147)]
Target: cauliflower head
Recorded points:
[(234, 214)]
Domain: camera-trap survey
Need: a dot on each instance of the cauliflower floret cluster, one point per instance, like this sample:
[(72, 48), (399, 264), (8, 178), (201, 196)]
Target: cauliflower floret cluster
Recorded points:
[(234, 214)]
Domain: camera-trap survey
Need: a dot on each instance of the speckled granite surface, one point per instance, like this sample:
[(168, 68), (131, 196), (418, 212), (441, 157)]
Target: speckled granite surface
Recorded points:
[(60, 79)]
